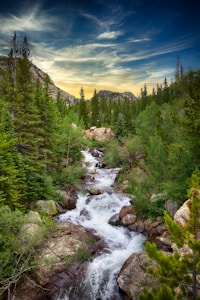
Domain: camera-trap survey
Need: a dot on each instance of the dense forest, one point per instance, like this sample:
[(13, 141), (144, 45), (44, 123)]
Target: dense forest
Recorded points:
[(159, 133), (41, 139)]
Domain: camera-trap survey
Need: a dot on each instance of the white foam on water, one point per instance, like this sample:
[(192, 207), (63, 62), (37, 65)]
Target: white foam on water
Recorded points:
[(94, 212)]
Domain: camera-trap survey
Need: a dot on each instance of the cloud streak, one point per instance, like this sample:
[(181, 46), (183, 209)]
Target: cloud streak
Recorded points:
[(139, 40), (32, 19), (110, 35)]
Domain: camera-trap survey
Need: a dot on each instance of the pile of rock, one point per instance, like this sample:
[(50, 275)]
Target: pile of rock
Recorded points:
[(55, 271), (155, 231), (133, 276), (101, 134)]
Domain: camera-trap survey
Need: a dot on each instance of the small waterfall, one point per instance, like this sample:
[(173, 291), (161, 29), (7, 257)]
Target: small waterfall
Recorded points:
[(94, 212)]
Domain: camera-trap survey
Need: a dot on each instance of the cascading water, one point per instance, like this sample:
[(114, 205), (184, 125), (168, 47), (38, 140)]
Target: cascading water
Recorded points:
[(94, 212)]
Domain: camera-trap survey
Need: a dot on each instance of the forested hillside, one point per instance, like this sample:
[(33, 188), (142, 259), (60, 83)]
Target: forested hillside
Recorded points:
[(36, 136), (157, 134)]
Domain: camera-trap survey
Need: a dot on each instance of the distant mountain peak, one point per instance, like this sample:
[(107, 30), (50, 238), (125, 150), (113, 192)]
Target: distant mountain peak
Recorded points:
[(116, 95)]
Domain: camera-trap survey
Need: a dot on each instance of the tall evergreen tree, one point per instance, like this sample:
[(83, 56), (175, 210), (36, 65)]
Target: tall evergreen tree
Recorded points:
[(119, 126), (178, 69), (129, 117), (32, 120), (166, 93), (107, 110), (50, 120), (62, 105), (11, 177), (83, 114), (95, 117)]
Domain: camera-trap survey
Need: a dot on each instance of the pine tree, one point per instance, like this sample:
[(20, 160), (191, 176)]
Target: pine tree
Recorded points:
[(178, 67), (83, 114), (62, 105), (156, 161), (153, 92), (32, 123), (128, 114), (27, 127), (119, 126), (95, 118), (159, 94), (11, 181), (50, 121), (143, 95), (166, 94)]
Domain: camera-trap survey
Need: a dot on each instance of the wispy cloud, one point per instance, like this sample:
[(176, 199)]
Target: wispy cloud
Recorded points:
[(32, 19), (93, 18), (103, 63), (139, 40), (76, 66), (109, 24), (110, 35), (156, 50)]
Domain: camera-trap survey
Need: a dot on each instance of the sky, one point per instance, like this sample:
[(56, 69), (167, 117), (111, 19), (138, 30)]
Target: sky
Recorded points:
[(116, 45)]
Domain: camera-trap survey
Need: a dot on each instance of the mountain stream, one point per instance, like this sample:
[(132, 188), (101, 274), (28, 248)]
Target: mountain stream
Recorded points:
[(100, 280)]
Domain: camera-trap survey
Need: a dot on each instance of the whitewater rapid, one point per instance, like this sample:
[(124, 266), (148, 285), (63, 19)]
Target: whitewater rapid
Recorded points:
[(94, 212)]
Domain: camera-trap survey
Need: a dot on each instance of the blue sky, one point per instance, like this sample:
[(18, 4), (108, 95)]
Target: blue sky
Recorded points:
[(117, 45)]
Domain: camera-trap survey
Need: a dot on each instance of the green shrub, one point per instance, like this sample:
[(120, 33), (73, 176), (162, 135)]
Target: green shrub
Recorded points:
[(70, 175), (16, 254), (115, 155), (143, 192)]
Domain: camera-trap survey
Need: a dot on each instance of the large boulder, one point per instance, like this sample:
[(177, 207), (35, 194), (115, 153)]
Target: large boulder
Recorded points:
[(114, 220), (47, 207), (30, 233), (128, 215), (59, 262), (94, 190), (133, 276), (129, 219), (65, 241), (31, 230), (68, 200), (182, 215), (126, 210), (33, 217), (102, 134)]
